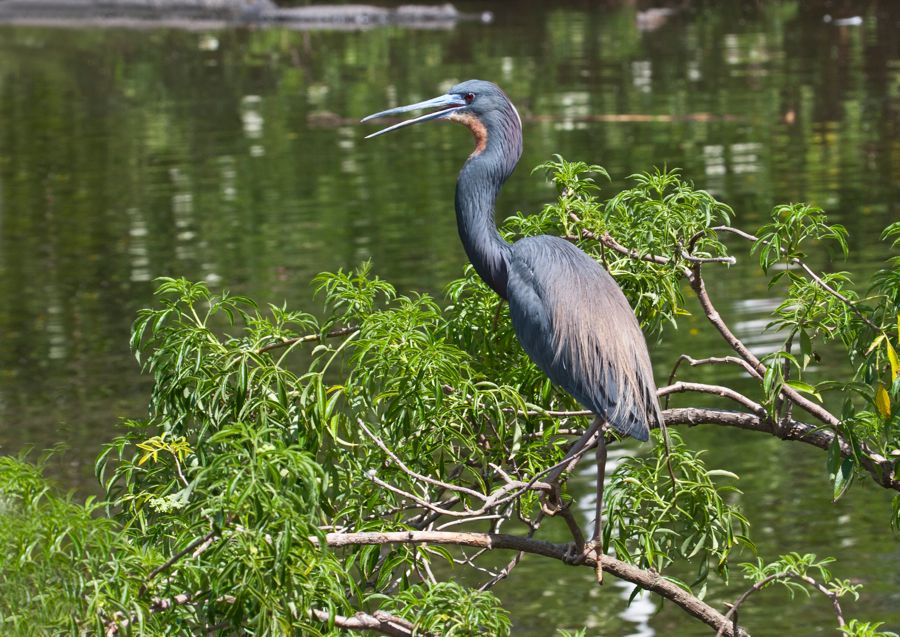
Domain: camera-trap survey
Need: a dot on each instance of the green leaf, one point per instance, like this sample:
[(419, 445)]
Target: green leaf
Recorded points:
[(805, 388), (843, 478), (875, 343)]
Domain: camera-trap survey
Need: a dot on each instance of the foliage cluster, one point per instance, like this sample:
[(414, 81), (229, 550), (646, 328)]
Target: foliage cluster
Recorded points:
[(273, 433)]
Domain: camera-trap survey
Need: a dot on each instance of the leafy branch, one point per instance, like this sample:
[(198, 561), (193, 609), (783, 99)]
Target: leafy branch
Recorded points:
[(310, 472)]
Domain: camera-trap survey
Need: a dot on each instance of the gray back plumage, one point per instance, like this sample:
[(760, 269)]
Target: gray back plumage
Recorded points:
[(575, 323)]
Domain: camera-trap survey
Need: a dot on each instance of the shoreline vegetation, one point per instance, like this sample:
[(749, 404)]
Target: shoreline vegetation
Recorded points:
[(204, 14)]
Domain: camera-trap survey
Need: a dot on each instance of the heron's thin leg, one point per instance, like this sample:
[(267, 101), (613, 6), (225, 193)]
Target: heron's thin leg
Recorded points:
[(597, 541), (667, 444), (574, 454), (575, 451)]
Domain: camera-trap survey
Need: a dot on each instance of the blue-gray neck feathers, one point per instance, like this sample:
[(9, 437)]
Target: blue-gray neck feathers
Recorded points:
[(476, 193)]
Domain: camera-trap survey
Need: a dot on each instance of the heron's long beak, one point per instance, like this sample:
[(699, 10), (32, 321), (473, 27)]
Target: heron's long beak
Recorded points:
[(446, 104)]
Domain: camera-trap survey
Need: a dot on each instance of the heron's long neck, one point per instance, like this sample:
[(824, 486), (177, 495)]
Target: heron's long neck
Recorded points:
[(476, 192)]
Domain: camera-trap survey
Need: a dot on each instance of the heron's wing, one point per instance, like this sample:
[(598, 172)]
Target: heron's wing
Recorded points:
[(574, 322)]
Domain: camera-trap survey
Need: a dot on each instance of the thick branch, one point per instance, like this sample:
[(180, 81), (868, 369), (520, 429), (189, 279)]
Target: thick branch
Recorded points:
[(379, 621), (645, 579), (879, 467)]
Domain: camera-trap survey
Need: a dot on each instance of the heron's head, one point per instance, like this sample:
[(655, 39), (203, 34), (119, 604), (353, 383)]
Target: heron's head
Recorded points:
[(479, 105)]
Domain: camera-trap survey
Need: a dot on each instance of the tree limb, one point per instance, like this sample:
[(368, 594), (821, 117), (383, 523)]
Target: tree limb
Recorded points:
[(647, 580), (379, 621), (879, 467)]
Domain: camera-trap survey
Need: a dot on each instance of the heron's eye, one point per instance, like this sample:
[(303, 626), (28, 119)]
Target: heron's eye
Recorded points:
[(469, 97)]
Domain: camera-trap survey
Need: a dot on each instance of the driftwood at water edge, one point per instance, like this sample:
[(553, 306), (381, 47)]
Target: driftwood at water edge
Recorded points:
[(212, 13)]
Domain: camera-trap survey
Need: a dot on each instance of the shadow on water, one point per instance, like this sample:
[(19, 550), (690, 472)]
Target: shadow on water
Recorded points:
[(233, 156)]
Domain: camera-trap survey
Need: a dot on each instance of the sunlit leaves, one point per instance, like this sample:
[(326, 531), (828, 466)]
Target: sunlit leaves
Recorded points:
[(178, 448), (791, 226), (788, 570), (448, 608), (856, 628), (652, 522)]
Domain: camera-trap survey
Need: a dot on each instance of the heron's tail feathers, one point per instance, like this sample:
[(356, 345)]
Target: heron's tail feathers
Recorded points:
[(629, 395), (635, 425)]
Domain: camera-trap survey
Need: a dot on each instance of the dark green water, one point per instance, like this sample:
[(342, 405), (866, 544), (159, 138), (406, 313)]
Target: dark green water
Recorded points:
[(235, 157)]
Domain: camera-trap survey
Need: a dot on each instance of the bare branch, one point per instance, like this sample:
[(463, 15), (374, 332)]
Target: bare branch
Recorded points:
[(713, 360), (647, 580), (717, 390), (410, 472), (379, 621), (509, 491), (877, 465)]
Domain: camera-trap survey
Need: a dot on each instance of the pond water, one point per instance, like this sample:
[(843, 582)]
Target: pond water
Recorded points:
[(235, 157)]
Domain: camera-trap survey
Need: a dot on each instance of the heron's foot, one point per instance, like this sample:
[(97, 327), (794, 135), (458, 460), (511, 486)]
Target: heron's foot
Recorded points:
[(576, 555)]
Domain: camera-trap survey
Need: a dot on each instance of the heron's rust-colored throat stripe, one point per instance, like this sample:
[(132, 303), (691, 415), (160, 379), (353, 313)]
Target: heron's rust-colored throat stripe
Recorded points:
[(476, 126)]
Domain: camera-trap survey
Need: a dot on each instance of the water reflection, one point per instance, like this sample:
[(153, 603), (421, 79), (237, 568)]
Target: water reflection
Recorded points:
[(233, 156)]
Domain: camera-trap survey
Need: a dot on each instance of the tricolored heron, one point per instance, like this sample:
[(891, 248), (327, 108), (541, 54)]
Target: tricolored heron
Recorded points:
[(569, 314)]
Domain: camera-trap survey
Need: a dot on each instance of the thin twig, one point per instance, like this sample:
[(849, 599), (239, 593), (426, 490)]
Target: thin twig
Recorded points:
[(415, 475), (338, 331), (809, 272), (831, 595)]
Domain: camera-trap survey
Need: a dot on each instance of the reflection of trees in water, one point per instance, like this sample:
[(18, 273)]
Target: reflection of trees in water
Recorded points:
[(233, 155)]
